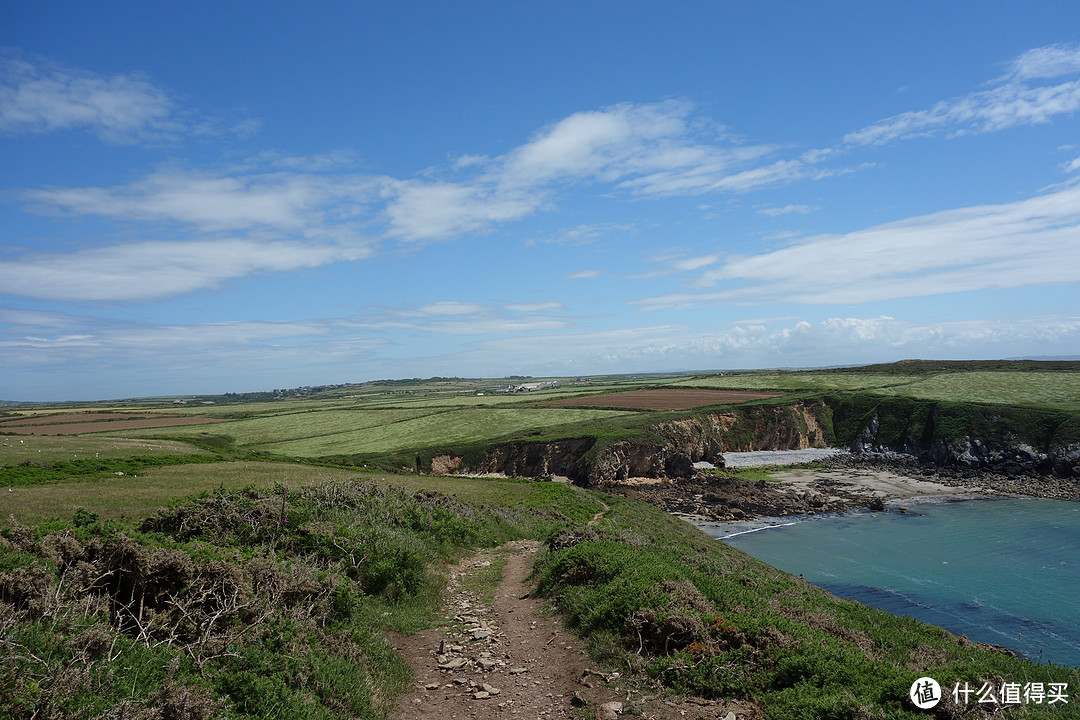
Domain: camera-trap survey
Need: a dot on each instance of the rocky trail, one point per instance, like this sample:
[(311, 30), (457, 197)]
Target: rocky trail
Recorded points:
[(508, 659)]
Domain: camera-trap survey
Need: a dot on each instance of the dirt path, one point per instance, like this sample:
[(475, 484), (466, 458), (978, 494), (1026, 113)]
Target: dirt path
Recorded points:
[(507, 659)]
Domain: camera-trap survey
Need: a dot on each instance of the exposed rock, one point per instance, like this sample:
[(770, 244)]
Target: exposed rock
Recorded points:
[(445, 464)]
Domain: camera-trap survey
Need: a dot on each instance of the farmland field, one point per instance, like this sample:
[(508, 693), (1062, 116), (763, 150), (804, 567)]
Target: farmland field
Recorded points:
[(371, 430), (796, 381), (51, 448), (1043, 389), (134, 496), (68, 426), (430, 429), (662, 399)]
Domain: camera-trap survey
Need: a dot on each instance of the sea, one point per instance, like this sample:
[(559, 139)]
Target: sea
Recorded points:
[(1000, 571)]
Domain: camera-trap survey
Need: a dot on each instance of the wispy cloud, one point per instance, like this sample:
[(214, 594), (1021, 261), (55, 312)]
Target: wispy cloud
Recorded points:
[(584, 234), (584, 275), (788, 210), (135, 344), (155, 269), (225, 225), (1013, 100), (678, 261), (452, 317), (644, 150), (800, 343), (1045, 62), (1030, 242), (230, 201), (39, 95)]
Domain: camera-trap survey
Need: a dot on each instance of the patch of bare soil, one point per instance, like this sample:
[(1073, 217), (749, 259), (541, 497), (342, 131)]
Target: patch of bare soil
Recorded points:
[(76, 428), (662, 399), (510, 660), (68, 418)]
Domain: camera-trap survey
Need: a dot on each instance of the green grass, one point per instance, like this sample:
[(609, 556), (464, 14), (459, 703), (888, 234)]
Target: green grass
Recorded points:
[(365, 430), (15, 449), (129, 497), (1038, 389), (796, 381), (482, 582), (1005, 387), (132, 496)]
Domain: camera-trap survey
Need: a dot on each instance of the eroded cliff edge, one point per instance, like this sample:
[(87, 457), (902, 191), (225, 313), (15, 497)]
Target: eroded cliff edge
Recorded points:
[(666, 449), (953, 437)]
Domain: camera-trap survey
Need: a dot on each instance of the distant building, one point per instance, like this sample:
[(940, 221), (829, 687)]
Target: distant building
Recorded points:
[(532, 387)]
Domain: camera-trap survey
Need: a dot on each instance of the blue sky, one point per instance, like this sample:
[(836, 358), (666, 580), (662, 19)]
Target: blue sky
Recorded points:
[(204, 197)]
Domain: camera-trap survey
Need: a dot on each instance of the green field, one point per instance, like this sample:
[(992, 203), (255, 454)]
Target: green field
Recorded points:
[(368, 430), (15, 449), (795, 381), (1029, 389)]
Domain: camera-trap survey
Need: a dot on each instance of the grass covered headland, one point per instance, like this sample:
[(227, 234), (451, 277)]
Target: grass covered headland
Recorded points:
[(272, 604)]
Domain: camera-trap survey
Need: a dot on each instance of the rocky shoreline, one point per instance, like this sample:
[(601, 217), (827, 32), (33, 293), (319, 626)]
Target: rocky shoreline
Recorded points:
[(837, 484)]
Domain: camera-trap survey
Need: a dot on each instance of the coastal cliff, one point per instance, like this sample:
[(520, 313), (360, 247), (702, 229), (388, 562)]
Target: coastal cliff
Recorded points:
[(1007, 440), (667, 449), (949, 438)]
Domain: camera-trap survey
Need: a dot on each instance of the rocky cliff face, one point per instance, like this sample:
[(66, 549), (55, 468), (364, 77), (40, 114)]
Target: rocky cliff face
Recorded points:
[(671, 450), (973, 453)]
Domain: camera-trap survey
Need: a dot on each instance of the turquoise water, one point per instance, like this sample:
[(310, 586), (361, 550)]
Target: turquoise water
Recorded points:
[(1005, 572)]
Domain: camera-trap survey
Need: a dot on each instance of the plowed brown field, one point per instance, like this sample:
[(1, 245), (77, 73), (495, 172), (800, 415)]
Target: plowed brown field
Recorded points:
[(663, 399), (76, 428), (70, 418)]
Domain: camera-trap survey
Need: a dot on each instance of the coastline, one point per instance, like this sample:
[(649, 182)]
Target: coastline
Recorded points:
[(839, 483)]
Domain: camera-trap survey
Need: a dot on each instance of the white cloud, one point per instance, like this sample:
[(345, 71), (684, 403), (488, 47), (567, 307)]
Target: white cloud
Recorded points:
[(788, 210), (583, 275), (454, 317), (584, 234), (218, 202), (678, 262), (431, 211), (313, 208), (1030, 242), (38, 95), (1014, 101), (447, 308), (651, 150), (1045, 62), (798, 344), (152, 270), (533, 308)]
